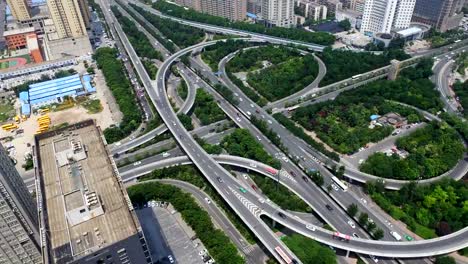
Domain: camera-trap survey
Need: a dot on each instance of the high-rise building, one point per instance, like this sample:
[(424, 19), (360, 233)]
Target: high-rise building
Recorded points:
[(278, 13), (231, 9), (357, 5), (19, 232), (381, 16), (19, 9), (441, 14), (87, 216), (311, 9), (254, 6), (68, 18)]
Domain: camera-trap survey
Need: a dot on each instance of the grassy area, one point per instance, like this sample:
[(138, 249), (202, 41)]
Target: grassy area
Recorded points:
[(6, 111), (151, 68), (93, 106), (309, 251)]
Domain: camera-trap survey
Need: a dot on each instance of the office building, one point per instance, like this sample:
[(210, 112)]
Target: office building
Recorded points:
[(278, 13), (19, 233), (441, 14), (19, 9), (234, 10), (381, 16), (87, 217), (68, 18)]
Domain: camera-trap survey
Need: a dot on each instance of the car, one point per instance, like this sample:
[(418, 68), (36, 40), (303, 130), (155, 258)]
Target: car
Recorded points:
[(207, 200), (202, 252), (310, 227), (351, 224), (292, 173), (355, 235), (171, 259), (251, 105), (136, 163), (258, 138), (253, 165), (240, 99), (282, 215), (329, 207), (363, 201), (206, 258), (165, 155), (254, 187), (258, 112), (370, 220), (334, 187), (269, 122), (211, 261), (305, 178), (238, 119), (285, 159), (242, 190), (408, 237), (249, 113), (236, 94), (219, 179), (245, 176), (374, 258)]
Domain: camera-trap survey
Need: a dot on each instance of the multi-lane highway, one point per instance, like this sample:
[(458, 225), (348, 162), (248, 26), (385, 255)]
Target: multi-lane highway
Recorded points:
[(246, 204)]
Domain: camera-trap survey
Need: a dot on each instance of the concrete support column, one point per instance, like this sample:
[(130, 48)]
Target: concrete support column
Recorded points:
[(394, 69)]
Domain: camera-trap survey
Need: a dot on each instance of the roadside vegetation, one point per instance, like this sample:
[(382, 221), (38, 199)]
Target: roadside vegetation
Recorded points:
[(226, 93), (214, 53), (218, 244), (252, 59), (241, 143), (343, 64), (461, 92), (308, 250), (249, 92), (92, 105), (281, 80), (181, 35), (182, 89), (279, 194), (150, 68), (206, 108), (433, 150), (439, 39), (157, 35), (343, 124), (138, 39), (299, 132), (462, 62), (192, 175), (290, 33), (209, 148), (116, 80), (7, 111), (431, 210)]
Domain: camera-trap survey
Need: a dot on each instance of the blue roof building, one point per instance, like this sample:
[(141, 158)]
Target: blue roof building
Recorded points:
[(24, 97), (374, 117), (25, 109), (54, 91)]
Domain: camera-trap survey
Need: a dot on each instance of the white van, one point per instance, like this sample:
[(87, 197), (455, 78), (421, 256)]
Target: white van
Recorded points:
[(395, 235)]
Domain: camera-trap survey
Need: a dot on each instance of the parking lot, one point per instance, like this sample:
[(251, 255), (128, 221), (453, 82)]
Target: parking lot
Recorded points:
[(167, 234)]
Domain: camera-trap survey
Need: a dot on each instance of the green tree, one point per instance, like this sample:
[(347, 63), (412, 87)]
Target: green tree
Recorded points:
[(345, 24), (445, 260), (363, 219), (378, 234), (352, 209)]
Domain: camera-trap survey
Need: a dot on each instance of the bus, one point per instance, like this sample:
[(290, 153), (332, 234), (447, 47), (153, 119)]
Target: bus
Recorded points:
[(356, 76), (271, 171), (283, 255), (340, 183), (342, 237), (44, 118)]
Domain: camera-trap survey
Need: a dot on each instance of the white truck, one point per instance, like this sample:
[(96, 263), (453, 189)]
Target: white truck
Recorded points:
[(395, 235)]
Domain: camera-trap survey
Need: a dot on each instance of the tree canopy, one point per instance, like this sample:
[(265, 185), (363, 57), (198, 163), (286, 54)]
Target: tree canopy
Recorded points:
[(206, 108)]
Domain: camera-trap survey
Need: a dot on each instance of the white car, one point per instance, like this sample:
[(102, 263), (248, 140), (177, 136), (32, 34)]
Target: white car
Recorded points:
[(251, 105), (351, 224), (245, 175), (285, 159), (238, 119), (171, 259), (165, 155), (335, 187), (258, 138), (236, 94), (249, 113), (202, 252), (363, 201), (136, 163), (374, 258), (310, 227), (207, 200), (253, 165), (269, 122), (240, 99)]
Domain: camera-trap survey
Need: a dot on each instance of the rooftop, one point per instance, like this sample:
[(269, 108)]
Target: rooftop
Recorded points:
[(18, 31), (87, 207)]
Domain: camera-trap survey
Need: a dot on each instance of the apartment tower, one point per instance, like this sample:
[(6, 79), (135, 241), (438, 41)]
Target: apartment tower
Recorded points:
[(234, 10), (19, 234), (278, 13), (381, 16), (19, 9), (68, 18), (441, 14)]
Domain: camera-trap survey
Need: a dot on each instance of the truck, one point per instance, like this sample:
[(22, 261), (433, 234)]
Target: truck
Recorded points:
[(395, 235)]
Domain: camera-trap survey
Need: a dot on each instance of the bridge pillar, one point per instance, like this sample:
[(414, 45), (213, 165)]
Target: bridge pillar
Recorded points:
[(347, 254), (395, 66)]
